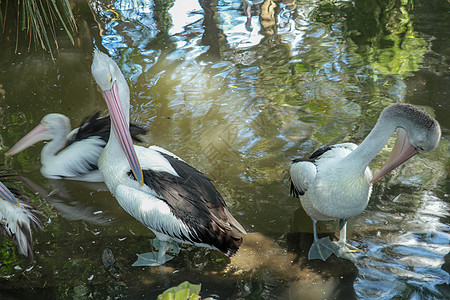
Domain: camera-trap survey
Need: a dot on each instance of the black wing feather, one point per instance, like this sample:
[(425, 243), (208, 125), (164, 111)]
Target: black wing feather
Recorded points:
[(296, 191), (100, 126), (193, 199)]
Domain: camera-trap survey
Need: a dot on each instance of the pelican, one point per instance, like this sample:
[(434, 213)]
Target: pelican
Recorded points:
[(335, 182), (78, 161), (171, 198), (17, 218)]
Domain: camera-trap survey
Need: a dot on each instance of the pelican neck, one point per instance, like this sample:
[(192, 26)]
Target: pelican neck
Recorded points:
[(378, 137), (51, 148)]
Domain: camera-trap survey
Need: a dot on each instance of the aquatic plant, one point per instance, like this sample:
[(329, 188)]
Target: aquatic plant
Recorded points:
[(183, 291)]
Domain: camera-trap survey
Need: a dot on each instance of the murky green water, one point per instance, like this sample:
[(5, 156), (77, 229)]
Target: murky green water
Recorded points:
[(238, 89)]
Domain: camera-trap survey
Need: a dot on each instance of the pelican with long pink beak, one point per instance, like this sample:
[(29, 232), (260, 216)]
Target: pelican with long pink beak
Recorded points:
[(335, 182), (71, 154), (171, 198)]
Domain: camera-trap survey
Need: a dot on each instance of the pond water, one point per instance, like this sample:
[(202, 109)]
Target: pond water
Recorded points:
[(238, 89)]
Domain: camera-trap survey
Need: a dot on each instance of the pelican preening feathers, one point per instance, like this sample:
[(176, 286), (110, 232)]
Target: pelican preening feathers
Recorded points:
[(335, 182), (78, 160), (177, 202)]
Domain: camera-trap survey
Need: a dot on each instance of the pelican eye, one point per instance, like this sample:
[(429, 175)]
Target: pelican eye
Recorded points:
[(421, 149), (110, 79)]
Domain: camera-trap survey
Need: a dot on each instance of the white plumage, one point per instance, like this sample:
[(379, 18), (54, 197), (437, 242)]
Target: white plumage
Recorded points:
[(17, 218), (78, 160), (177, 202), (335, 182)]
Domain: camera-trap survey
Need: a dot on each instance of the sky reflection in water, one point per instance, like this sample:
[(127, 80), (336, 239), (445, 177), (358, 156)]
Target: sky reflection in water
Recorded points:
[(270, 83), (240, 88)]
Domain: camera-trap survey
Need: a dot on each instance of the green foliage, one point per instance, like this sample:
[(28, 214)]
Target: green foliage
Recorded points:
[(184, 291), (37, 21)]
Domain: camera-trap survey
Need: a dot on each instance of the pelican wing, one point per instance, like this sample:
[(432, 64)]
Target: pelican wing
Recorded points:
[(153, 212), (193, 199), (76, 161), (303, 173), (318, 153), (332, 151), (162, 150)]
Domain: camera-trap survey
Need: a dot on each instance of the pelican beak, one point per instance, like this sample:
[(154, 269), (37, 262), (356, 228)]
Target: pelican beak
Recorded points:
[(403, 150), (7, 195), (39, 133), (122, 131)]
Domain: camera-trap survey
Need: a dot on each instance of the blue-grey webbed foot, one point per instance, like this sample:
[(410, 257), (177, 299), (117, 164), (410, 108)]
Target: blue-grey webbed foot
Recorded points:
[(322, 249), (156, 258), (151, 259)]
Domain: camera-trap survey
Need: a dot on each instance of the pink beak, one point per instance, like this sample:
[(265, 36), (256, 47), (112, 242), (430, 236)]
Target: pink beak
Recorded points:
[(122, 131), (403, 150), (7, 195), (39, 133)]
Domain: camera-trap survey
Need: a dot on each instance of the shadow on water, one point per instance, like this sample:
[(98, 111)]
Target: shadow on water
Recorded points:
[(238, 89)]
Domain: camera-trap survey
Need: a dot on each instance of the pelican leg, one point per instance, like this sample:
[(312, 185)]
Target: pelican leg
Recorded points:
[(152, 259), (172, 247), (323, 248), (345, 250)]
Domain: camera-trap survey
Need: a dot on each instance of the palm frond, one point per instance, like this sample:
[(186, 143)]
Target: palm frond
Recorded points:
[(37, 20)]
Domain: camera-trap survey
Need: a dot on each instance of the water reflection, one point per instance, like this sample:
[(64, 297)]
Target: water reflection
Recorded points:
[(62, 200), (238, 89), (286, 78)]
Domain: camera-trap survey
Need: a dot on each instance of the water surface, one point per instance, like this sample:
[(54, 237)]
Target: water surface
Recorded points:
[(238, 89)]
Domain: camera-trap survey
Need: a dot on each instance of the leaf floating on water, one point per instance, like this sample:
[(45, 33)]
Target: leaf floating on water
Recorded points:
[(185, 290)]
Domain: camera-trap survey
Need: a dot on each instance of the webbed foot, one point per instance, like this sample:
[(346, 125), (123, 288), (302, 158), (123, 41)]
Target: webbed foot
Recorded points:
[(151, 259), (347, 251), (322, 249)]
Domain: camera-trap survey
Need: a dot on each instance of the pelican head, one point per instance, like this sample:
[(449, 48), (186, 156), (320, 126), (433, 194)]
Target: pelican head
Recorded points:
[(417, 132), (117, 96), (52, 126)]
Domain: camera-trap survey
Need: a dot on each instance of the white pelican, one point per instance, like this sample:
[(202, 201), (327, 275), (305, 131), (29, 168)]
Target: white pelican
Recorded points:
[(174, 200), (78, 160), (17, 218), (335, 182)]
